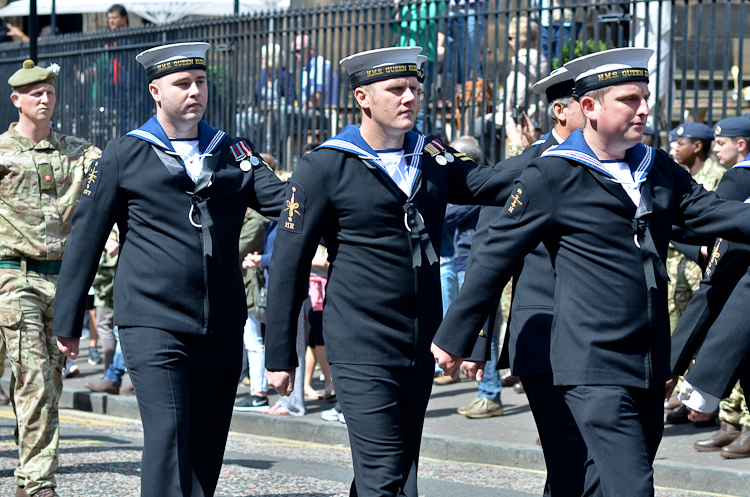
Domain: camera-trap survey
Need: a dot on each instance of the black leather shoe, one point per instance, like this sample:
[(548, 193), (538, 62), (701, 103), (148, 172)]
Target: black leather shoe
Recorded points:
[(709, 422), (678, 417)]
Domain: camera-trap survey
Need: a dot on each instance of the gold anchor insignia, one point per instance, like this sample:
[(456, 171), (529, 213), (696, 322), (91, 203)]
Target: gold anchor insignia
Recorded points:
[(91, 178), (715, 254), (292, 207), (516, 200)]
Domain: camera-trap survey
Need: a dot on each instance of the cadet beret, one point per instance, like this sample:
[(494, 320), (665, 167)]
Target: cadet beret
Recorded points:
[(384, 63), (649, 131), (557, 85), (699, 131), (609, 67), (30, 74), (167, 59), (732, 127)]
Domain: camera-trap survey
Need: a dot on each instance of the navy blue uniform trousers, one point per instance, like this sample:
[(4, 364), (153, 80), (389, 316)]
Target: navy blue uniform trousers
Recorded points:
[(185, 385), (384, 407), (565, 452), (620, 426)]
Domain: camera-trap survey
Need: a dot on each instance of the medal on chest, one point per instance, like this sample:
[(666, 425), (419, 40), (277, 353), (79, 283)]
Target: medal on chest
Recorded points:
[(244, 155), (437, 151)]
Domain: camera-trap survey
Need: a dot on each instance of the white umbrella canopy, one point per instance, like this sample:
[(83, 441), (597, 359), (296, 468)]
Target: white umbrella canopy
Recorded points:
[(158, 12)]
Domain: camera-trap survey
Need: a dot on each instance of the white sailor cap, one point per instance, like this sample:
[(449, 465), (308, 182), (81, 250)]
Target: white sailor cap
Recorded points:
[(557, 85), (609, 67), (384, 63), (167, 59)]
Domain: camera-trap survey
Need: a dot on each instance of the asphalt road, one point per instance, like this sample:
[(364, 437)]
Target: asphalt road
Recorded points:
[(100, 455)]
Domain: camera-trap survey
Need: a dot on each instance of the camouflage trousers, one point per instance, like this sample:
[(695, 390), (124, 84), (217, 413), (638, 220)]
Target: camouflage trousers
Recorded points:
[(26, 308), (2, 356), (685, 277), (733, 409)]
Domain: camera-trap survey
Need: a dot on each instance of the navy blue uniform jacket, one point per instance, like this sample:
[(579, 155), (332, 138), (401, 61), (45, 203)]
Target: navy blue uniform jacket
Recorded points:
[(163, 279), (603, 331), (379, 309), (717, 316), (526, 348)]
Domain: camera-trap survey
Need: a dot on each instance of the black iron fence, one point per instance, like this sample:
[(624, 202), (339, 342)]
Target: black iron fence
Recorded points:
[(274, 77)]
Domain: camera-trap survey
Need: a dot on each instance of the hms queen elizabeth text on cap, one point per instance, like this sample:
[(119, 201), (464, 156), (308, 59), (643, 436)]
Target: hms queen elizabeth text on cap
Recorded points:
[(170, 66), (609, 78)]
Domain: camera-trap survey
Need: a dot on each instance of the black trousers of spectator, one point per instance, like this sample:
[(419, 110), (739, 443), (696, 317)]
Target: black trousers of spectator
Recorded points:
[(622, 428), (185, 385), (565, 451), (384, 407)]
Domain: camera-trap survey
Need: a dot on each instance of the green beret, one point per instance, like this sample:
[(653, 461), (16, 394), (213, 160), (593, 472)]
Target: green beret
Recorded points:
[(30, 74)]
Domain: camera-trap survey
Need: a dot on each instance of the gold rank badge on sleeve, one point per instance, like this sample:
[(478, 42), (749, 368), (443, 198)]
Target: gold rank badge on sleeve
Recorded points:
[(517, 202), (293, 212), (91, 180)]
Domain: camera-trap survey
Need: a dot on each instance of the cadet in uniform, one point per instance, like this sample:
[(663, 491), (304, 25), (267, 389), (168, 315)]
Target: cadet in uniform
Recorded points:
[(715, 320), (376, 194), (178, 190), (684, 262), (526, 349), (41, 174), (603, 204), (693, 152)]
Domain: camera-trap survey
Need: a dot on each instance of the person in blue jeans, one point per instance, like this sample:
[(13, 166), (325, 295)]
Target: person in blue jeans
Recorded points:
[(112, 381), (463, 219), (467, 29), (448, 284)]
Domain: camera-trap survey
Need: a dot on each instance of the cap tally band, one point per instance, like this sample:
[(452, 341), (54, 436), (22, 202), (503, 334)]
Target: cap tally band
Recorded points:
[(170, 66), (385, 72), (609, 78)]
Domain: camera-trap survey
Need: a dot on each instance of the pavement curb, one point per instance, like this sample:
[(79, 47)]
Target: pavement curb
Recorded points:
[(666, 474)]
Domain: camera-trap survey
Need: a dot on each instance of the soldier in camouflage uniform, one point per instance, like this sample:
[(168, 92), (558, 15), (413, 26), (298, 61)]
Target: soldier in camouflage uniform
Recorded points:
[(692, 151), (41, 175), (103, 286), (4, 399), (734, 418)]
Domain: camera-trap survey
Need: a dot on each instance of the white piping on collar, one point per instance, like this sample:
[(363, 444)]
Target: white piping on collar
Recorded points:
[(149, 137), (639, 175), (215, 142), (416, 157)]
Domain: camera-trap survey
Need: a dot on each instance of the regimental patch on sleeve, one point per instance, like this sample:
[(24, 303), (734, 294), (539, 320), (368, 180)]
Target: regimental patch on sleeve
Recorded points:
[(292, 215), (517, 202), (93, 175)]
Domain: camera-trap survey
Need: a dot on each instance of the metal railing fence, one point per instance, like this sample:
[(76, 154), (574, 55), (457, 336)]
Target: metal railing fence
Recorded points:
[(478, 78)]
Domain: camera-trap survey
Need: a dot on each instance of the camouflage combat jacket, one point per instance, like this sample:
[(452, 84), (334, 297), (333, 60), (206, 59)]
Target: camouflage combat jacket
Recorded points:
[(40, 187), (710, 174)]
